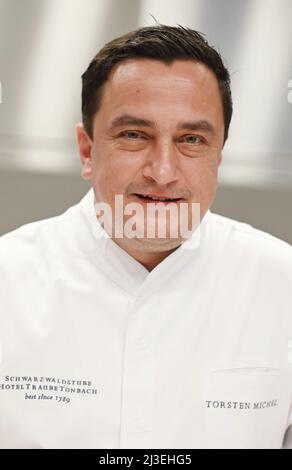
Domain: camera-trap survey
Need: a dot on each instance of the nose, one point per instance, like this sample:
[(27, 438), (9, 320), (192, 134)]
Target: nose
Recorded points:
[(162, 163)]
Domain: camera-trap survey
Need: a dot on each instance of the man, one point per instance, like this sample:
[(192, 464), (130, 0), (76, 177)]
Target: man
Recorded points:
[(136, 339)]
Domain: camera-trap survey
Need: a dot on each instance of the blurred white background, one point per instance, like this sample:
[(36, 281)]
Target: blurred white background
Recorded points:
[(45, 46)]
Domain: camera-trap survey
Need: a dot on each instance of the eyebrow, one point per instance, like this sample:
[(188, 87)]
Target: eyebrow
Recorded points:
[(201, 125), (128, 119)]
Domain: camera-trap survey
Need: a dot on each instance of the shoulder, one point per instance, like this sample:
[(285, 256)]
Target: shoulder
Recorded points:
[(243, 239), (258, 262), (52, 240), (25, 246)]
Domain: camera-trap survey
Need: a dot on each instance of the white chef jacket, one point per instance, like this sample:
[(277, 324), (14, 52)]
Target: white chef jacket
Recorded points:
[(97, 352)]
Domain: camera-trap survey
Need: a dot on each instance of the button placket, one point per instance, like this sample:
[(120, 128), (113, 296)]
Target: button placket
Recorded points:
[(137, 383)]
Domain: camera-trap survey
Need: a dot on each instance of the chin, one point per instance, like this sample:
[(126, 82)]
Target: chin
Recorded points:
[(156, 245)]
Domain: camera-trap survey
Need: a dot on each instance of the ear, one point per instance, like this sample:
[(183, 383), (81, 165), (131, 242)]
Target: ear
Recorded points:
[(85, 147)]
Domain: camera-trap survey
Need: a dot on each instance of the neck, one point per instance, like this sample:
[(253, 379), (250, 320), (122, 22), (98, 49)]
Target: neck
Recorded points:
[(144, 255)]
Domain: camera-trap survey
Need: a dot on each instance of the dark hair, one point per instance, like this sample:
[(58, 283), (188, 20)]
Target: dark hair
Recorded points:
[(160, 42)]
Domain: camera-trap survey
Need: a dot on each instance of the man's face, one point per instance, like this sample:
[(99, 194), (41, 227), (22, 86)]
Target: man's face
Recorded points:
[(159, 131)]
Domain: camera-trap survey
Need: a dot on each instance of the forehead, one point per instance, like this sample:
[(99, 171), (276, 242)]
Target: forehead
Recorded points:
[(184, 85), (180, 71)]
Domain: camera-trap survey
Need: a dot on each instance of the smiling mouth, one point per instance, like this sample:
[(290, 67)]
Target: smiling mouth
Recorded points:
[(156, 199)]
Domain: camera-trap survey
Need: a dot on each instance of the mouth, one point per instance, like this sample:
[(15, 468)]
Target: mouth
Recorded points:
[(147, 198)]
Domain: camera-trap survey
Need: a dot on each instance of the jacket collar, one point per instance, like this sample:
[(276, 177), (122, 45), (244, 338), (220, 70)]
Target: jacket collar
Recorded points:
[(123, 269)]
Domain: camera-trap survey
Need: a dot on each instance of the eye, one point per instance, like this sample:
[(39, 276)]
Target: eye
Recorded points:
[(191, 139), (132, 135)]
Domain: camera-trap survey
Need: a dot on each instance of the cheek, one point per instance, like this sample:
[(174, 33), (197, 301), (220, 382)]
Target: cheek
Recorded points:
[(112, 172), (202, 176)]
